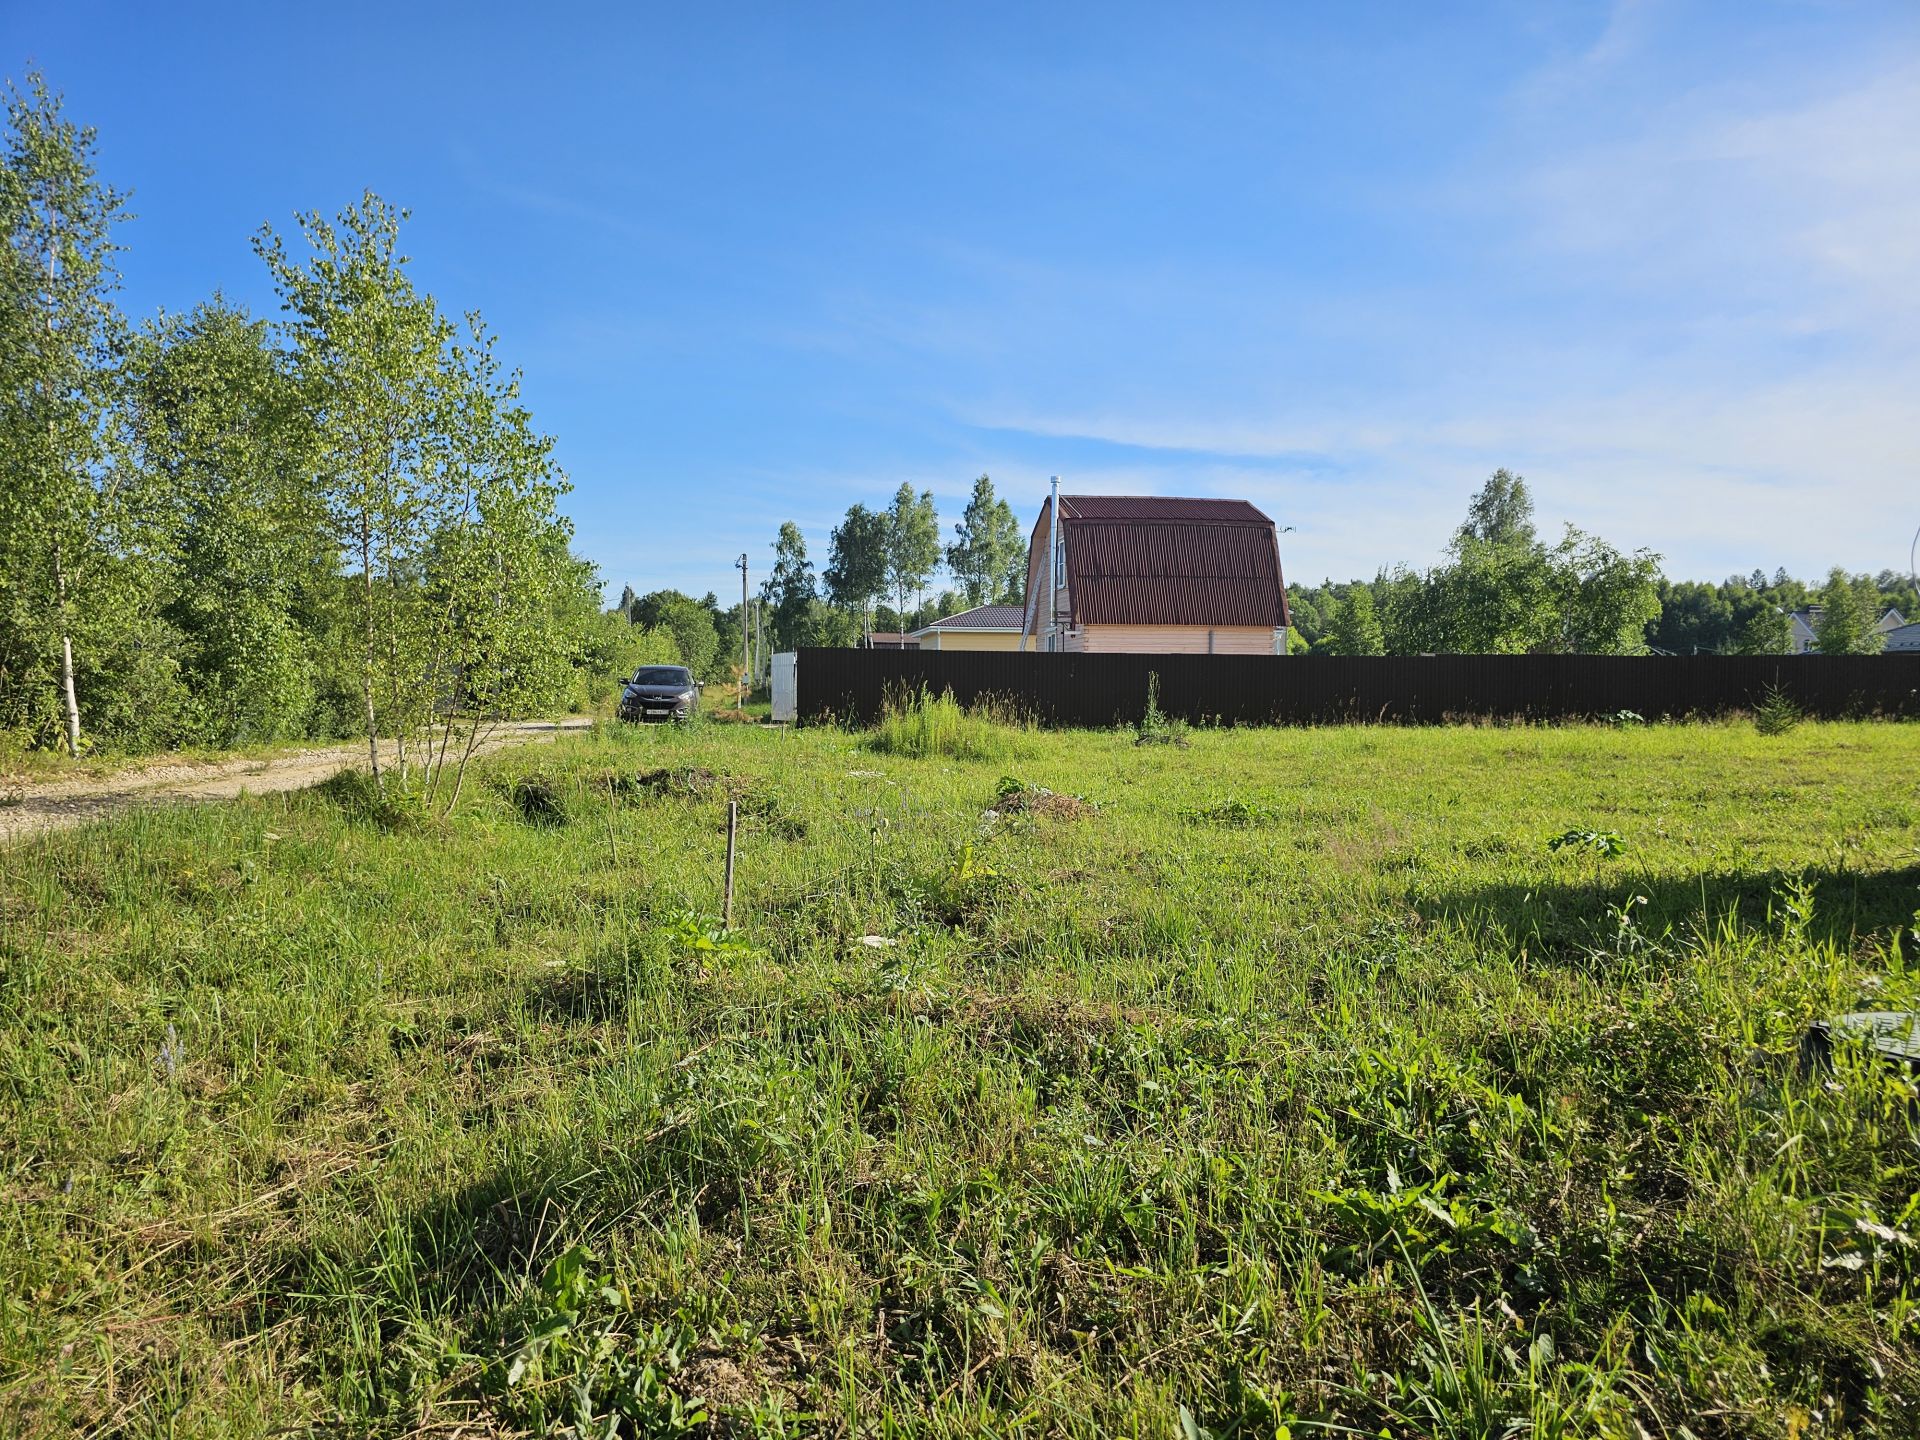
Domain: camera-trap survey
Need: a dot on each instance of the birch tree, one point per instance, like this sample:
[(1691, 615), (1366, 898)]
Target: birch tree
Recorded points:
[(987, 550), (790, 591), (857, 563), (369, 356), (499, 573), (65, 509), (913, 545)]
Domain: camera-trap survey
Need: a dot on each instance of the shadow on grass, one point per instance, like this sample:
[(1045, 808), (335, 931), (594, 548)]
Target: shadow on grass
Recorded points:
[(582, 996), (1559, 916)]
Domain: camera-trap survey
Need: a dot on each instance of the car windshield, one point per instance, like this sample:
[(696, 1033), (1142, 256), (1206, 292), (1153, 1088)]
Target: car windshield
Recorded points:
[(662, 675)]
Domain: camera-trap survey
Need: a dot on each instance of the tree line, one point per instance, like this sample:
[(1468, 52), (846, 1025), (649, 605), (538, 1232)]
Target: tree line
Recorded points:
[(1503, 590), (880, 566), (222, 530)]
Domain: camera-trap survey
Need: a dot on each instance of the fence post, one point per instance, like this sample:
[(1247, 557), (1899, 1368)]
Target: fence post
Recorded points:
[(733, 830)]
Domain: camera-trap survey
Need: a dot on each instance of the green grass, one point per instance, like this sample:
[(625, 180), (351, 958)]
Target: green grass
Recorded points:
[(1293, 1080)]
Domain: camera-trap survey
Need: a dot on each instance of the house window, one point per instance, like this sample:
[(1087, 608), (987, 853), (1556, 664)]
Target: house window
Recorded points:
[(1060, 563)]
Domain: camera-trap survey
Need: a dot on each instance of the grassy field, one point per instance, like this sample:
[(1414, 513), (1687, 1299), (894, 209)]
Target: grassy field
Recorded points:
[(1286, 1082)]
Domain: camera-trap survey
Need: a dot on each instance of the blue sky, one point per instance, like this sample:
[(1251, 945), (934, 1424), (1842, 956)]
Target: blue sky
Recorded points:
[(761, 261)]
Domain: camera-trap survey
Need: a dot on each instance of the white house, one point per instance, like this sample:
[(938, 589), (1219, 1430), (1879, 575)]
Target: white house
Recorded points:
[(1804, 626)]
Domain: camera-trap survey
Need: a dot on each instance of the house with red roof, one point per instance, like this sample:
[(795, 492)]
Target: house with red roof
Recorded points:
[(1154, 575)]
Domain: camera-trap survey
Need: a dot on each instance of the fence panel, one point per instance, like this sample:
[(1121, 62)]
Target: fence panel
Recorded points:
[(1100, 690)]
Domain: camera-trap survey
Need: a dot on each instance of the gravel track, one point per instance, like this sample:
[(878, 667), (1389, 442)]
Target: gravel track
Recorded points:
[(35, 808)]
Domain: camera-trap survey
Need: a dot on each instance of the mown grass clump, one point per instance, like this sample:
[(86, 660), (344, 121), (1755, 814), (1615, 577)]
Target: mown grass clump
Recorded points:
[(538, 800), (920, 724), (1362, 1110)]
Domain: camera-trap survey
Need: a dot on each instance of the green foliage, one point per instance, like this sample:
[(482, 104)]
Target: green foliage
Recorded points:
[(920, 724), (1505, 592), (611, 648), (1760, 625), (583, 1366), (358, 797), (1607, 844), (369, 355), (705, 936), (987, 555), (1604, 600), (695, 636), (1305, 608), (856, 572), (1234, 812), (1356, 625), (217, 425), (913, 543), (789, 591), (72, 521), (538, 800), (1420, 1222), (1849, 615), (1693, 619), (830, 625), (1500, 513)]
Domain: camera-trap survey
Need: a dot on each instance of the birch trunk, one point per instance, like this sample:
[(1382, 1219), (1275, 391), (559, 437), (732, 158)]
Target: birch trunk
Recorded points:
[(68, 697), (366, 657)]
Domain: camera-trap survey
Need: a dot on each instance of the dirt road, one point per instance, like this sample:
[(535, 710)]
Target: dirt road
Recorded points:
[(35, 808)]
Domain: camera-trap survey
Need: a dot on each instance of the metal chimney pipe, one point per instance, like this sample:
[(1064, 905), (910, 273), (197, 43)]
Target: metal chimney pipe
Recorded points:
[(1053, 551)]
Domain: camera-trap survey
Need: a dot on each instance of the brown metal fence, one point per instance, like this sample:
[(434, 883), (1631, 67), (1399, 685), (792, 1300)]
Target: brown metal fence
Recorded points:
[(1098, 690)]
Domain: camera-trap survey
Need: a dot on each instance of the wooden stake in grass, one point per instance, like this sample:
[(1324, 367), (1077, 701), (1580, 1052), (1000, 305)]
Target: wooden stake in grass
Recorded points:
[(733, 830)]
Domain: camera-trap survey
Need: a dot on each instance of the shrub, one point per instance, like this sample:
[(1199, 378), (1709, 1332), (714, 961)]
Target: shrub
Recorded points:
[(1776, 713), (918, 723), (1605, 843)]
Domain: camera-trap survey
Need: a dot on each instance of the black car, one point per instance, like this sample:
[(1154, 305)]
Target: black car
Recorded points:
[(660, 692)]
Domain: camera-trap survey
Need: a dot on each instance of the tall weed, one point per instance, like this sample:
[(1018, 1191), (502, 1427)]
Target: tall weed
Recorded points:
[(919, 724)]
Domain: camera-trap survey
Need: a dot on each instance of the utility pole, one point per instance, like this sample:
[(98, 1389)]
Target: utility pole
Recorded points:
[(745, 631)]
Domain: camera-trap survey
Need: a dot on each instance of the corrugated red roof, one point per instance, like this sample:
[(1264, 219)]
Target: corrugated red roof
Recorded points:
[(1149, 560), (1160, 507)]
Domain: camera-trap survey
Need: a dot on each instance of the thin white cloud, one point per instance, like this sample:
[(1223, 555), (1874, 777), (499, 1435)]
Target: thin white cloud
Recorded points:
[(1808, 210)]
